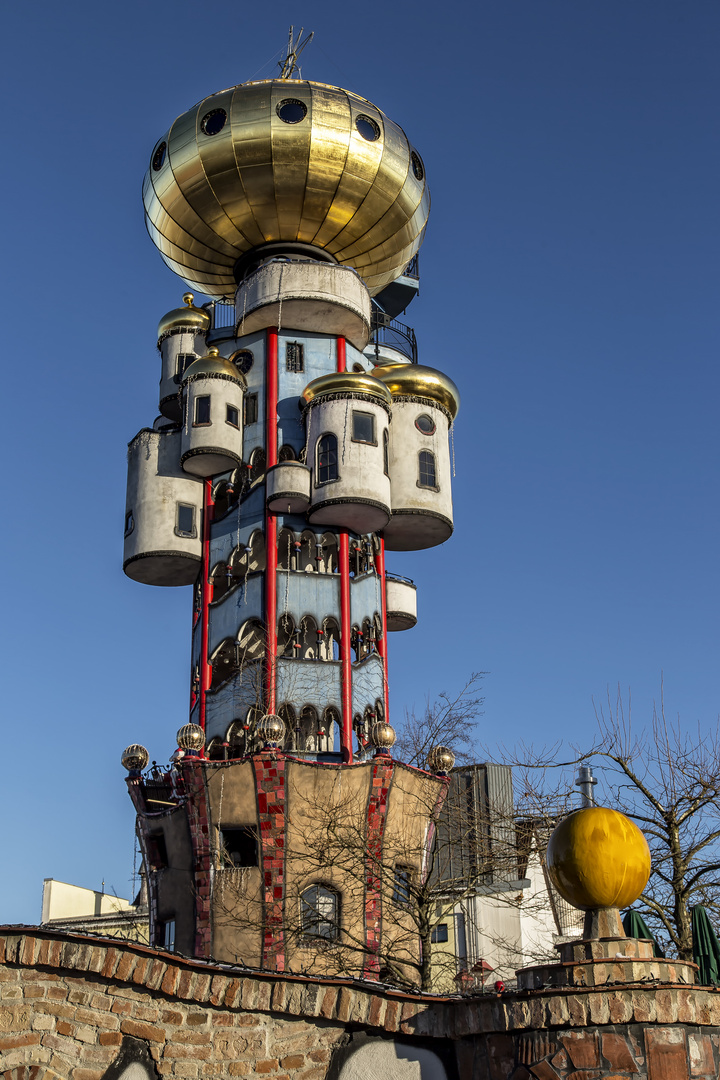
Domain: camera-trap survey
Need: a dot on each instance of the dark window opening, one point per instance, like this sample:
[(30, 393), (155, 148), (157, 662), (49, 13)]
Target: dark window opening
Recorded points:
[(292, 111), (129, 522), (401, 890), (232, 416), (294, 356), (182, 363), (286, 453), (157, 849), (327, 456), (257, 465), (202, 410), (185, 525), (213, 122), (425, 424), (250, 409), (166, 934), (363, 428), (367, 127), (426, 469), (159, 157), (359, 368), (239, 847), (243, 360), (439, 934), (386, 452), (417, 165), (319, 913)]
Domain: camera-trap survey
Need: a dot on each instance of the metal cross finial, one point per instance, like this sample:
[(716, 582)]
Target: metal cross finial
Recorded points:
[(586, 781), (294, 47)]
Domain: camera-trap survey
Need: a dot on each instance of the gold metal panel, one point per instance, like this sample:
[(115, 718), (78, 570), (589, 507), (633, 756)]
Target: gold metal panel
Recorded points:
[(260, 179)]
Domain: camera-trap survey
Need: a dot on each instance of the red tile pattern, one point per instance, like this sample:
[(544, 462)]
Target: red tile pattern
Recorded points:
[(193, 775), (382, 774), (270, 787)]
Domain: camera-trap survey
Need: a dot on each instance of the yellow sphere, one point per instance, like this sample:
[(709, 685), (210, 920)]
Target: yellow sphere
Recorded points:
[(285, 161), (598, 858)]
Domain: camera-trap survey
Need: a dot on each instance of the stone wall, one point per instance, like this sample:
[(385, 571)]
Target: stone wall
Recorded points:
[(77, 1007)]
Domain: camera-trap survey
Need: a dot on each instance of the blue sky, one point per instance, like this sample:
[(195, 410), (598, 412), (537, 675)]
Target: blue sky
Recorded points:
[(569, 287)]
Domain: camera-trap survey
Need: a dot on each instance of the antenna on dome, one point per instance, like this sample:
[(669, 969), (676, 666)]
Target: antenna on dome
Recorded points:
[(295, 46)]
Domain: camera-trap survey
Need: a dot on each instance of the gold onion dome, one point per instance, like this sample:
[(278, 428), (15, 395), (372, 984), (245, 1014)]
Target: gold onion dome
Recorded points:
[(598, 858), (416, 380), (188, 318), (213, 364), (343, 382), (284, 161)]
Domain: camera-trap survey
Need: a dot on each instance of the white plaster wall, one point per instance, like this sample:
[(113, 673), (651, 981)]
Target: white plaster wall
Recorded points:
[(494, 933), (390, 1060), (209, 449), (170, 348), (406, 442)]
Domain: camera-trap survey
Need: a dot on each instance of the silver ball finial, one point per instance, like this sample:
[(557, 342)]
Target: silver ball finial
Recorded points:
[(270, 730), (191, 737)]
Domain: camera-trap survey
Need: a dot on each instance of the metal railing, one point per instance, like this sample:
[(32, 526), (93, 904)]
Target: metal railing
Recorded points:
[(222, 314), (400, 578), (413, 267), (394, 334)]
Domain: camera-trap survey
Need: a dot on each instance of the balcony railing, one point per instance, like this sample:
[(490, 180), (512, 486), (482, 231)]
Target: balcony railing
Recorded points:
[(399, 577), (394, 334), (222, 315)]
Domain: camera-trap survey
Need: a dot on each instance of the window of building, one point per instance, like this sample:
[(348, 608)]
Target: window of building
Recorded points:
[(213, 122), (202, 410), (291, 110), (286, 453), (185, 521), (367, 127), (250, 408), (129, 522), (425, 423), (243, 360), (157, 849), (439, 934), (319, 913), (427, 476), (386, 452), (401, 885), (182, 363), (363, 427), (168, 935), (239, 846), (294, 356), (327, 459), (232, 416), (159, 157)]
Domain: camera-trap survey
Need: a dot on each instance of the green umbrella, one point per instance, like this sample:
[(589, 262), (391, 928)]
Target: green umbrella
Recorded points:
[(706, 948), (635, 926)]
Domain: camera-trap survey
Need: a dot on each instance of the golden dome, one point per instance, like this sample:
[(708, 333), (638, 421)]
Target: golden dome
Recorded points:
[(343, 381), (598, 858), (185, 318), (416, 380), (214, 364), (284, 160)]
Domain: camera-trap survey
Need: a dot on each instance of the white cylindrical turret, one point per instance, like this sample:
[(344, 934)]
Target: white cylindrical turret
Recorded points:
[(288, 488), (401, 602), (163, 513), (212, 436), (181, 339), (425, 403), (347, 416)]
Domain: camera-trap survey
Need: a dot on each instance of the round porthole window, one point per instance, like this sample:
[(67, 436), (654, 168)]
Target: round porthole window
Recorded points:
[(159, 157), (292, 111), (425, 424), (243, 360), (214, 121), (417, 165), (367, 128)]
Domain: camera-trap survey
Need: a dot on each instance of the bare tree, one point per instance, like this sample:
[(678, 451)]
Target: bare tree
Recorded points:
[(450, 720)]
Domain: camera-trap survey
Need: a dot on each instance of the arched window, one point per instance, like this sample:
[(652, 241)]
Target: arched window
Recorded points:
[(286, 549), (330, 724), (251, 641), (320, 913), (226, 496), (222, 581), (257, 465), (309, 729), (427, 475), (224, 663), (307, 555), (386, 451), (286, 453), (237, 739), (330, 646), (329, 552), (327, 459), (215, 751), (286, 636), (307, 637)]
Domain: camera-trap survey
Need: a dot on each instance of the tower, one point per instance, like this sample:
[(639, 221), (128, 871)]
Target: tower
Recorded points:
[(298, 440)]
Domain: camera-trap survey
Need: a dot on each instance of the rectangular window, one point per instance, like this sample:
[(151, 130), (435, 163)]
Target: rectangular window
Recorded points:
[(294, 356), (182, 363), (239, 847), (156, 848), (363, 427), (185, 525), (439, 934), (168, 929), (401, 892), (202, 410), (129, 522), (232, 416), (250, 408)]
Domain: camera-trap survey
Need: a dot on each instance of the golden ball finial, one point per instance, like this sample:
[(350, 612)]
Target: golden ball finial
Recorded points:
[(191, 737), (441, 760), (188, 298), (598, 858), (382, 736), (135, 757)]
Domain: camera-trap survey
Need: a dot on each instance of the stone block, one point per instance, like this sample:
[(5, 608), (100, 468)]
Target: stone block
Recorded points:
[(666, 1053), (617, 1053), (582, 1048)]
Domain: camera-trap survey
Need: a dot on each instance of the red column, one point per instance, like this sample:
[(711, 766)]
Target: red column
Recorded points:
[(207, 588), (345, 647), (271, 398), (382, 644), (341, 360)]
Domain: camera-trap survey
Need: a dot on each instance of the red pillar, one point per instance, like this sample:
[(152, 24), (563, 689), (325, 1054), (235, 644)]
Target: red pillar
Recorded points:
[(345, 647), (207, 588), (271, 398), (382, 644)]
